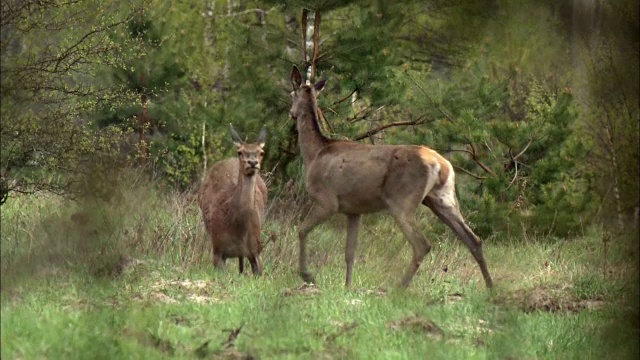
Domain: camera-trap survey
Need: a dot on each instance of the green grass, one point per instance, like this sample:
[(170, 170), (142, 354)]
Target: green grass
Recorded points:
[(554, 299)]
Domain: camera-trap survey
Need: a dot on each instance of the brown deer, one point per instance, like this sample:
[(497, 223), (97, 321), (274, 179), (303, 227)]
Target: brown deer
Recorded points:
[(232, 199), (354, 179)]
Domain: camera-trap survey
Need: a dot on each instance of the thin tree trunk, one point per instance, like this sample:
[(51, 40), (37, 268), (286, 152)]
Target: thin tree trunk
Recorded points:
[(316, 45), (204, 149), (614, 176)]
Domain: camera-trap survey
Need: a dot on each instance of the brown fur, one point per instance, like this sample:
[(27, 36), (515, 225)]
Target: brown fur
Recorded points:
[(354, 179), (232, 199)]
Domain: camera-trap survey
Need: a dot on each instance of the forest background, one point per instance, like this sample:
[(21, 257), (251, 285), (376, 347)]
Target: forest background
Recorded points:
[(534, 103), (112, 112)]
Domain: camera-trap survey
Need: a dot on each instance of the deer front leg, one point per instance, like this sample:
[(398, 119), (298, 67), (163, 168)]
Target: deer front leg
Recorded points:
[(317, 215), (241, 264), (353, 225)]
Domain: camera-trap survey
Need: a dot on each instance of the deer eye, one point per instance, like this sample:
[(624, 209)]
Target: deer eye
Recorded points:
[(239, 153)]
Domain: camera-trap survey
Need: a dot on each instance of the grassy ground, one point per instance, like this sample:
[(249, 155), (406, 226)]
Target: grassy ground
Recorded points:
[(134, 281)]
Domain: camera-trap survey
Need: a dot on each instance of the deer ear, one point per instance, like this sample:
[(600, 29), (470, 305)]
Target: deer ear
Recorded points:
[(235, 137), (296, 78), (262, 137), (320, 85)]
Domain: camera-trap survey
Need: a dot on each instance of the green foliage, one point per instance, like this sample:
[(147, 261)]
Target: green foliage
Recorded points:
[(527, 165), (51, 52), (608, 77)]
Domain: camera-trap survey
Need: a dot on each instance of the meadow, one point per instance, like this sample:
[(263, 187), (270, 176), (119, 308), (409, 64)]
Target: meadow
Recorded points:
[(131, 278)]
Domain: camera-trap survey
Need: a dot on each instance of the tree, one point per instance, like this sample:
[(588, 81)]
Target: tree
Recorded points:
[(51, 51), (605, 42)]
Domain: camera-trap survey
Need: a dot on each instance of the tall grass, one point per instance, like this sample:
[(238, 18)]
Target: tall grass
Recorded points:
[(131, 277)]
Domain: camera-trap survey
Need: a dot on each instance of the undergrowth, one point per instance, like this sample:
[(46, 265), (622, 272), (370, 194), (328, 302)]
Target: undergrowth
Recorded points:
[(132, 278)]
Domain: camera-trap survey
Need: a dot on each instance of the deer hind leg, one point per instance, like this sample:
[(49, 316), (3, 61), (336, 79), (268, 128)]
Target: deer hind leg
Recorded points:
[(318, 214), (353, 225), (420, 245), (218, 260), (449, 213)]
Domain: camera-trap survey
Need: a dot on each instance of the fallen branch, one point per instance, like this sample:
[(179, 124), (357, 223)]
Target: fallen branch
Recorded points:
[(232, 337), (343, 330)]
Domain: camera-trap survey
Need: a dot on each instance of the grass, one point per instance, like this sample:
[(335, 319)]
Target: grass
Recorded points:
[(133, 280)]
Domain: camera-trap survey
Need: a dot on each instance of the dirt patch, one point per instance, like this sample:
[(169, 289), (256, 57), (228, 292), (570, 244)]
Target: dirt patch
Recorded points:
[(174, 291), (152, 340), (228, 350), (555, 299), (416, 323), (377, 292), (304, 289)]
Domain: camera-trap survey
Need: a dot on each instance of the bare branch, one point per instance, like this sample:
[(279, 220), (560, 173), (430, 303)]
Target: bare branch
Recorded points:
[(469, 173), (345, 98), (371, 132), (256, 10), (474, 157), (514, 176), (515, 158)]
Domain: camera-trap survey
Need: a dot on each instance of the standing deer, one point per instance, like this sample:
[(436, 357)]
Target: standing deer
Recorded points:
[(354, 179), (232, 199)]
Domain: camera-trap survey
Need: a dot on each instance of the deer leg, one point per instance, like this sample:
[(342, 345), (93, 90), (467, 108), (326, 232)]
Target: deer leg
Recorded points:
[(241, 264), (450, 215), (317, 215), (256, 264), (218, 260), (353, 225), (417, 240)]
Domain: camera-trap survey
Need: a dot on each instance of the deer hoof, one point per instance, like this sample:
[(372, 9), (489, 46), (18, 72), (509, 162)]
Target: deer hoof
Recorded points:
[(307, 277)]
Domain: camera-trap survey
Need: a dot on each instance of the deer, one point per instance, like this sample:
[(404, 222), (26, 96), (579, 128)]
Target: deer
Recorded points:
[(353, 178), (232, 199)]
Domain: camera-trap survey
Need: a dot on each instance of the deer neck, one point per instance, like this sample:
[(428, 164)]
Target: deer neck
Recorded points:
[(245, 194), (310, 138)]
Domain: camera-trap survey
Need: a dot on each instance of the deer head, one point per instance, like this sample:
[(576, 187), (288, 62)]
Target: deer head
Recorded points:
[(250, 155), (302, 95)]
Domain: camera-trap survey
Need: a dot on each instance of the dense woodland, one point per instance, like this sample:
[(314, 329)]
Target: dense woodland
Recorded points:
[(535, 103)]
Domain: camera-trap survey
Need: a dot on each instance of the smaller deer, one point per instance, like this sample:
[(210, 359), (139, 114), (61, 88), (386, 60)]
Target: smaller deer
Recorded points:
[(232, 199)]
